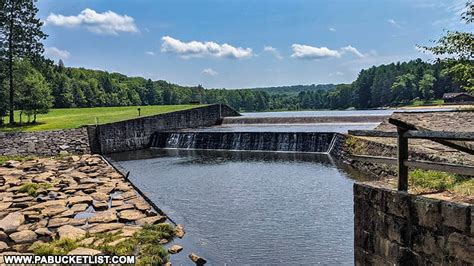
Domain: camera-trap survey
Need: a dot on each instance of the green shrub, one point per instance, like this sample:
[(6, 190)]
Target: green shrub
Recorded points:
[(4, 158), (151, 254), (56, 247), (144, 243), (32, 188)]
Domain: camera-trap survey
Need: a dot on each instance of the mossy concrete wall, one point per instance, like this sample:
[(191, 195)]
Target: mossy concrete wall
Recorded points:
[(396, 228), (135, 134)]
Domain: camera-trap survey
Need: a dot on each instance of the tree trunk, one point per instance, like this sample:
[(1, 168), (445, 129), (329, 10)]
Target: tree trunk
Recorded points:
[(10, 65), (34, 118)]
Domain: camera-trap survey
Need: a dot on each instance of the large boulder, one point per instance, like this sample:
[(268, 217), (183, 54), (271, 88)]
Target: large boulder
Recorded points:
[(197, 259), (25, 236), (100, 196), (80, 199), (45, 204), (79, 207), (5, 205), (175, 249), (101, 228), (179, 231), (104, 217), (11, 222), (57, 222), (53, 210), (100, 205), (43, 231), (151, 220), (131, 215), (85, 252), (3, 246), (71, 232), (140, 204)]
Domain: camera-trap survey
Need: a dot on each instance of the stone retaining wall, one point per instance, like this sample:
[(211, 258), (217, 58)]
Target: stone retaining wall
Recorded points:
[(396, 228), (45, 143), (135, 134)]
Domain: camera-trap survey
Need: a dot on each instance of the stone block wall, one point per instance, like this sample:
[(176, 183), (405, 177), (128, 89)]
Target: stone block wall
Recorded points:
[(135, 134), (396, 228), (45, 143)]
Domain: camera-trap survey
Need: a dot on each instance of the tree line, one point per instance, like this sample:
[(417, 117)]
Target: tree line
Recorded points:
[(65, 87)]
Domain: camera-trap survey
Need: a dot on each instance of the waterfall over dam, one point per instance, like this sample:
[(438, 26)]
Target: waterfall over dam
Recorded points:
[(313, 142)]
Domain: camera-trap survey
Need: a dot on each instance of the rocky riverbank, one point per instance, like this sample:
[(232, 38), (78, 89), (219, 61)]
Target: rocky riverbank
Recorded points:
[(80, 200)]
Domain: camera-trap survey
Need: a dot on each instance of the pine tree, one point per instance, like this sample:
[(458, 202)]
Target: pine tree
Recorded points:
[(20, 37), (61, 65)]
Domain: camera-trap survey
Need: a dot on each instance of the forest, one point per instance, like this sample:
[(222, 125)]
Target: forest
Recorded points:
[(379, 86)]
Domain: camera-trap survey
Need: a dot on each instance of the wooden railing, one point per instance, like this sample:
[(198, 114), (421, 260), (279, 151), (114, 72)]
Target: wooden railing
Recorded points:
[(405, 131)]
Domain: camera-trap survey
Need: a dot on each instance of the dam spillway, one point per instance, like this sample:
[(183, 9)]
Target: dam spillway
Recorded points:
[(310, 142)]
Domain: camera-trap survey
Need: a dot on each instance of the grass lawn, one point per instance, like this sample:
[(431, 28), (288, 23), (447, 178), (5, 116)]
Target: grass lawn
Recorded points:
[(423, 103), (76, 117)]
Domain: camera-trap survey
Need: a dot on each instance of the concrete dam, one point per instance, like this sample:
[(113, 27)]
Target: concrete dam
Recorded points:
[(220, 127), (311, 142)]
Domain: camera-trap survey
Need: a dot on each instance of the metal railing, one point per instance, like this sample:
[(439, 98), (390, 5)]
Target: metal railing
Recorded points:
[(405, 131)]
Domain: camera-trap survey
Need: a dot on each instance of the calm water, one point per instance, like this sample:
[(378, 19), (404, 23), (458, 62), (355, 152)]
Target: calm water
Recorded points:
[(340, 113), (248, 208), (322, 127)]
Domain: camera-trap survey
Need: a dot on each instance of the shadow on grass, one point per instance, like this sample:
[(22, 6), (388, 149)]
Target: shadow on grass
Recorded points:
[(17, 127)]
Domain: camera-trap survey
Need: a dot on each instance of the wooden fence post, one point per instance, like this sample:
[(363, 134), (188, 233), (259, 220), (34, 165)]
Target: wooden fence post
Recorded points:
[(402, 155)]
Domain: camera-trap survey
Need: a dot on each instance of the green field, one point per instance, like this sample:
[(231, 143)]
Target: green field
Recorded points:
[(426, 103), (76, 117)]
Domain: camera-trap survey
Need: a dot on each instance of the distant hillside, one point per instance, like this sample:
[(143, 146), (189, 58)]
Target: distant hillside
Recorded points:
[(295, 89)]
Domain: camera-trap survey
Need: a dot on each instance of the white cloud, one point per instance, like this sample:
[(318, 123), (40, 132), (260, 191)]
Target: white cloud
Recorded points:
[(310, 52), (332, 29), (101, 23), (150, 53), (301, 51), (353, 50), (202, 49), (394, 23), (210, 72), (56, 53), (273, 51)]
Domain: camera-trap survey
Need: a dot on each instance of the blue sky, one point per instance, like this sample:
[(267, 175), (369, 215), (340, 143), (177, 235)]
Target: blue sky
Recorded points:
[(243, 43)]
